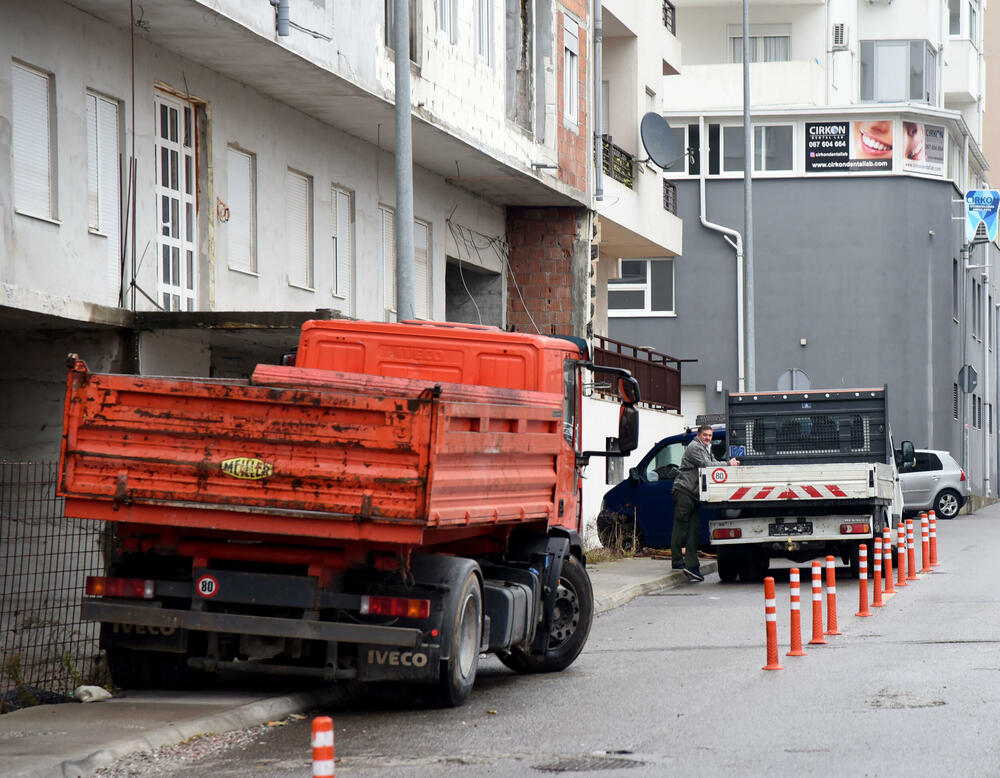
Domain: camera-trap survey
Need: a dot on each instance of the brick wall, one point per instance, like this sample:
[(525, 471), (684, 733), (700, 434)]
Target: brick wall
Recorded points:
[(542, 246), (573, 140)]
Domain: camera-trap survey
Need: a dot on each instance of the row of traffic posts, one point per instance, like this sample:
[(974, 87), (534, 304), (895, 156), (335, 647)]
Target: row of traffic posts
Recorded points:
[(906, 567)]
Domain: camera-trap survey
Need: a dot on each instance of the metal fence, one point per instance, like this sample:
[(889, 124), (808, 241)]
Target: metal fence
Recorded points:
[(45, 650)]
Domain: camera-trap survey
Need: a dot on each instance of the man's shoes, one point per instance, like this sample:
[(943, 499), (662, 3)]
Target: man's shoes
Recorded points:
[(693, 574)]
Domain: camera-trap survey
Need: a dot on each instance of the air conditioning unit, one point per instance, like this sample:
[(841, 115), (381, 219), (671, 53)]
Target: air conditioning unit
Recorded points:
[(839, 36)]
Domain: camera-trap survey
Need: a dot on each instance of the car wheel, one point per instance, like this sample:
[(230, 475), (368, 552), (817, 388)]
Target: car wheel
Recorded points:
[(947, 504)]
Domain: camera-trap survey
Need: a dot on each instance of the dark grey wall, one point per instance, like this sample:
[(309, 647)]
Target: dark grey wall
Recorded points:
[(846, 263)]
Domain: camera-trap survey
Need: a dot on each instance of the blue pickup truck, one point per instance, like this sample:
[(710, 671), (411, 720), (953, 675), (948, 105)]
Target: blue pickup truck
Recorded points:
[(639, 511)]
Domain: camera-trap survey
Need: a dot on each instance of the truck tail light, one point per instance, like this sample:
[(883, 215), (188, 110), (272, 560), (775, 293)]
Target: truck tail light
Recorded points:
[(135, 588), (855, 528), (727, 534), (400, 607)]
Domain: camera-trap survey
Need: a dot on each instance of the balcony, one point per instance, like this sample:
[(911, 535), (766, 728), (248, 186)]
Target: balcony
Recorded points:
[(670, 17), (703, 87), (659, 375), (617, 163)]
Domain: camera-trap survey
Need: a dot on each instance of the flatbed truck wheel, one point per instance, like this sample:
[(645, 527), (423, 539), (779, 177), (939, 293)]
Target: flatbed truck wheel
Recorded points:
[(728, 560), (458, 672), (574, 613)]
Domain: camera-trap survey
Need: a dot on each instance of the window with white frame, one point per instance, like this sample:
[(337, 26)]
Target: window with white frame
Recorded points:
[(484, 30), (241, 205), (33, 148), (342, 221), (766, 42), (571, 69), (897, 71), (104, 184), (974, 22), (421, 264), (772, 148), (645, 288), (175, 144), (299, 228), (447, 19), (955, 17)]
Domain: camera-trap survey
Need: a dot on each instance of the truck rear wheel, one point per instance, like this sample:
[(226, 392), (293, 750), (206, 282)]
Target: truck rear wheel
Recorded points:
[(458, 672), (729, 564), (618, 532), (571, 620)]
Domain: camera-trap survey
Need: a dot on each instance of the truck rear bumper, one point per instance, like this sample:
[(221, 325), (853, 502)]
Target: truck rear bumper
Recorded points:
[(305, 629), (811, 529)]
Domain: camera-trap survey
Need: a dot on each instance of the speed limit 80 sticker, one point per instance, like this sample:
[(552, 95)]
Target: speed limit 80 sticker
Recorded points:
[(207, 586), (719, 475)]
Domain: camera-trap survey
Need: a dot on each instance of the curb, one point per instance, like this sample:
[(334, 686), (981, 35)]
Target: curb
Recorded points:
[(625, 594), (249, 715)]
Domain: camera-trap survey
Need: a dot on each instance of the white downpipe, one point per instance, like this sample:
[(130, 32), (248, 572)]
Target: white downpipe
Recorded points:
[(734, 239)]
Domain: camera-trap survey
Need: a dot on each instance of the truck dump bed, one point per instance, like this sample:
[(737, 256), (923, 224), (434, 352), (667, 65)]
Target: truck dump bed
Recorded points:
[(311, 453)]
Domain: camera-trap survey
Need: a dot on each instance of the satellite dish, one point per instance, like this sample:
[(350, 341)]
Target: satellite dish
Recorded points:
[(660, 140)]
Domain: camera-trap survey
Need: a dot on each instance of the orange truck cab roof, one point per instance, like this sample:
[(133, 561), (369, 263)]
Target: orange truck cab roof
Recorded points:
[(460, 354)]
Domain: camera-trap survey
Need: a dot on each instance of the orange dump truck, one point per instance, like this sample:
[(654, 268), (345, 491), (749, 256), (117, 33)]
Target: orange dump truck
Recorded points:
[(400, 500)]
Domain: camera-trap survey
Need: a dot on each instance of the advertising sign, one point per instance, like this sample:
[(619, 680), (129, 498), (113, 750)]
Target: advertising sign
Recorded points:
[(923, 148), (849, 146), (981, 206)]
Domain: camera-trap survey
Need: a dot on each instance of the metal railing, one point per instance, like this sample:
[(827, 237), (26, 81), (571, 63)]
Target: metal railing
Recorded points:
[(670, 197), (617, 163), (670, 17), (659, 375), (45, 650)]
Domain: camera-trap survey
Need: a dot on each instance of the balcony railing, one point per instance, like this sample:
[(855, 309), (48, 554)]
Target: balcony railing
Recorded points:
[(617, 163), (670, 197), (659, 375), (670, 17)]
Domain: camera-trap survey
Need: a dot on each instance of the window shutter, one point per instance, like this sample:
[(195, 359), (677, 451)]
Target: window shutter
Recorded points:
[(388, 250), (421, 271), (240, 195), (298, 221), (31, 143), (93, 179), (342, 233)]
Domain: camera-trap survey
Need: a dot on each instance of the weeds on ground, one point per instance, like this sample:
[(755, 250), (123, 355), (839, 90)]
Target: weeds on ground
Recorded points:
[(12, 669)]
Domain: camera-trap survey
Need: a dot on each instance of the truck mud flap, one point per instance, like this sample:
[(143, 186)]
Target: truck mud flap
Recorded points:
[(385, 663)]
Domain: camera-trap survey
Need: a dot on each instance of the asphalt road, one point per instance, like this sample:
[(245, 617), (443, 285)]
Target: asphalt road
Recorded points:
[(673, 682)]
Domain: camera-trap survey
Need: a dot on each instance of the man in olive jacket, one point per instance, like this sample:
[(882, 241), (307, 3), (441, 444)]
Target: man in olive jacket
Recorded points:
[(687, 525)]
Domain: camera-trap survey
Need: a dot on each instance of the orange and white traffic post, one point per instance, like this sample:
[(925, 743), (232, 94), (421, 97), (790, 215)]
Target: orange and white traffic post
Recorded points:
[(901, 556), (817, 587), (795, 617), (911, 553), (831, 597), (863, 581), (934, 559), (322, 747), (925, 543), (887, 555), (771, 625), (877, 577)]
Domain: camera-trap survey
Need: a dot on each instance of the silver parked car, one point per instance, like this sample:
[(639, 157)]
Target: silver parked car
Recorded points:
[(935, 481)]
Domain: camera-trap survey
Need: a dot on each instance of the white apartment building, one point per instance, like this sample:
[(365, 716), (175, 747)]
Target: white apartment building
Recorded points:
[(182, 183)]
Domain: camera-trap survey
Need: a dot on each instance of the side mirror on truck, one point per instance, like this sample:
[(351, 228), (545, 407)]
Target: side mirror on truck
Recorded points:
[(908, 457), (628, 416)]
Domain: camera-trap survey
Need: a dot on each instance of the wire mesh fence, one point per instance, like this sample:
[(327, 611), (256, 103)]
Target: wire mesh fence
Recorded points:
[(44, 647)]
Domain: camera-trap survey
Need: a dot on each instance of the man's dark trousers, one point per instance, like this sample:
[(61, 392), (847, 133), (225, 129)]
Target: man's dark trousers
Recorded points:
[(686, 532)]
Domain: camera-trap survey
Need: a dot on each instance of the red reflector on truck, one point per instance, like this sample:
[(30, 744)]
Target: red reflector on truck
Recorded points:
[(401, 607), (136, 588), (855, 528), (727, 534)]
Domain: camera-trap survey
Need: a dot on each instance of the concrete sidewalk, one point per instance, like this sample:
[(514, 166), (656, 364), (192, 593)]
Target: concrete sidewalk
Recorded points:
[(73, 740)]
